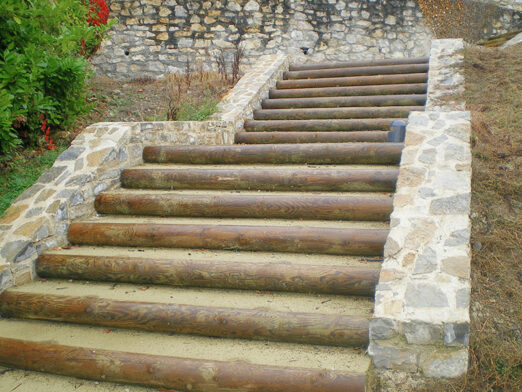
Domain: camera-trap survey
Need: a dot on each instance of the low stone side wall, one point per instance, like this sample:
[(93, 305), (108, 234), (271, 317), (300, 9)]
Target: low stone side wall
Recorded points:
[(248, 93), (445, 76), (39, 219), (420, 328)]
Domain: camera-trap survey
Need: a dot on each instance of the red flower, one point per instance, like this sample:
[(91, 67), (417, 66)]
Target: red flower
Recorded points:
[(98, 12)]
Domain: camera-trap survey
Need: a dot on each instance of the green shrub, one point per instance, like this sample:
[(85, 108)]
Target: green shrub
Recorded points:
[(43, 73)]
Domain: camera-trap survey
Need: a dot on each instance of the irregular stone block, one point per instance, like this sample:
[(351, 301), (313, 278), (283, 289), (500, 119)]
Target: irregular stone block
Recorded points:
[(451, 205), (456, 334), (417, 332), (425, 295), (441, 364), (382, 328)]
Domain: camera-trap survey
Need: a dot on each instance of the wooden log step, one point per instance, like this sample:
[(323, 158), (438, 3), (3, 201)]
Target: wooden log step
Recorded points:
[(310, 137), (262, 178), (359, 63), (167, 371), (366, 103), (336, 113), (289, 206), (340, 153), (254, 324), (353, 81), (357, 71), (151, 268), (369, 124), (221, 256), (387, 89), (296, 239)]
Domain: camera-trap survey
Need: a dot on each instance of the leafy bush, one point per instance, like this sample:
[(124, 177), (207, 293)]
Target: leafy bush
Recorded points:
[(43, 65)]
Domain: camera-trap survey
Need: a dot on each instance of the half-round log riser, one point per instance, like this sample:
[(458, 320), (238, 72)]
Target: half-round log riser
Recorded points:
[(246, 206), (319, 125), (335, 113), (311, 137), (359, 63), (329, 180), (352, 153), (341, 280), (413, 88), (368, 105), (171, 372), (365, 242), (307, 328), (353, 81), (357, 71)]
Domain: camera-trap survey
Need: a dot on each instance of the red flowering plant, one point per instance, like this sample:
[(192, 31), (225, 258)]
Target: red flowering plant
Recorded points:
[(98, 18), (98, 13), (47, 133)]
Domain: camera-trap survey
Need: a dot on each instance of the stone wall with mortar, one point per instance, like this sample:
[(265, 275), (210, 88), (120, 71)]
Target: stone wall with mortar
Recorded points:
[(420, 328), (157, 37), (39, 219)]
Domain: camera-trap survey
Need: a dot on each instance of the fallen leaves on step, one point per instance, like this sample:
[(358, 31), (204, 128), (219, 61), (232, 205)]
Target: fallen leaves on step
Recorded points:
[(108, 330), (143, 288)]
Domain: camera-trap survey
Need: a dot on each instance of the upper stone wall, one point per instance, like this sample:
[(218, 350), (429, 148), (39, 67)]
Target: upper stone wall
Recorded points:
[(157, 37)]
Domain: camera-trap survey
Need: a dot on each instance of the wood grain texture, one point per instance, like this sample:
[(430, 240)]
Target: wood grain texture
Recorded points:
[(359, 63), (291, 179), (369, 124), (357, 71), (247, 206), (366, 105), (341, 153), (365, 242), (171, 372), (253, 324), (353, 81), (409, 88), (321, 279), (335, 113), (310, 137)]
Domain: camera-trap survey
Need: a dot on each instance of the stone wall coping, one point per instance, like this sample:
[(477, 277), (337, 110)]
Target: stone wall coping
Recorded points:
[(39, 218)]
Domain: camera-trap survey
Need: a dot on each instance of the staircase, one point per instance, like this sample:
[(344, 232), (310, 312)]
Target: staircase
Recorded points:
[(248, 267)]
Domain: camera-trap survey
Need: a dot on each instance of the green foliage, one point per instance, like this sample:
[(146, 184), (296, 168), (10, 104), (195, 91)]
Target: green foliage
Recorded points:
[(199, 111), (22, 173), (42, 71)]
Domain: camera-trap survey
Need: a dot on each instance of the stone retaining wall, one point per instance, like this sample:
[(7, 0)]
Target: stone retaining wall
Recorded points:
[(157, 37), (420, 328), (38, 220)]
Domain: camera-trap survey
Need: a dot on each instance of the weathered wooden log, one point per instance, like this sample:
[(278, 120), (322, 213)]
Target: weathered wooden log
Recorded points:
[(359, 63), (365, 102), (269, 179), (341, 153), (353, 81), (357, 71), (307, 328), (310, 137), (296, 239), (321, 279), (386, 89), (247, 206), (172, 372), (368, 124), (336, 113)]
